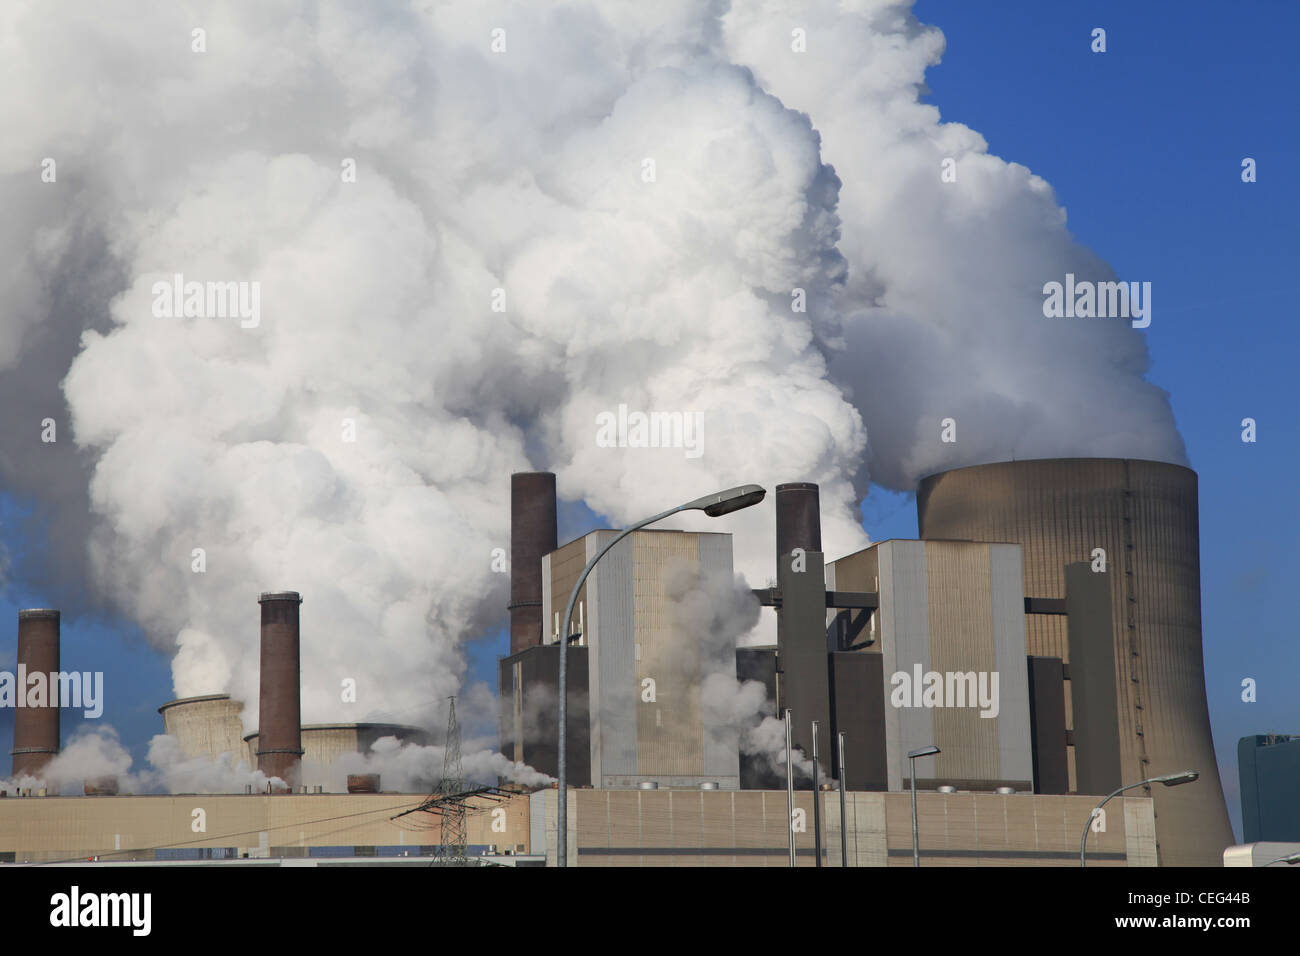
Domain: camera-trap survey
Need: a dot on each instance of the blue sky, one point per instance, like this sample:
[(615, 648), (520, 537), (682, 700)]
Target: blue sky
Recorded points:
[(1143, 145)]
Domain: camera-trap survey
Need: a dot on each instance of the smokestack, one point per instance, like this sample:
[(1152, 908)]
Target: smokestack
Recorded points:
[(532, 535), (798, 518), (36, 729), (279, 736)]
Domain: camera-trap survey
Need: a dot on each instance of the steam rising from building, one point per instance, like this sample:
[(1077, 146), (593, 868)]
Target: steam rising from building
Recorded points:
[(616, 207)]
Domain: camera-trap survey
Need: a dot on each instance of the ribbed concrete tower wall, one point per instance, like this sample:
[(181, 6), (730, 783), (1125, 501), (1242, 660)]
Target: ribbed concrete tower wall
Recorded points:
[(533, 533), (1145, 516), (36, 729), (205, 726), (279, 751)]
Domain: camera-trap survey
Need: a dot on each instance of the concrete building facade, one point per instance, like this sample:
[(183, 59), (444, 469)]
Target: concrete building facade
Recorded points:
[(950, 629), (751, 828), (646, 662)]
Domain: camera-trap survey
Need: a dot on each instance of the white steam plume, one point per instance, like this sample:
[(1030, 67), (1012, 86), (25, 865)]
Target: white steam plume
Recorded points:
[(95, 753), (412, 768), (522, 170), (942, 310)]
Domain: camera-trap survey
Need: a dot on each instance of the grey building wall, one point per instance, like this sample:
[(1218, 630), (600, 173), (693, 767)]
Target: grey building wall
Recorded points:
[(1268, 766), (529, 711)]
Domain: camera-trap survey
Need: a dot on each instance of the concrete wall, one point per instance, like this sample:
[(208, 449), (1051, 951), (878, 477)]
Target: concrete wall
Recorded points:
[(748, 828), (206, 726), (41, 829)]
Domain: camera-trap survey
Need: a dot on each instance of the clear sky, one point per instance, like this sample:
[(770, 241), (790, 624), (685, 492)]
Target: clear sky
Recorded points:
[(1143, 145)]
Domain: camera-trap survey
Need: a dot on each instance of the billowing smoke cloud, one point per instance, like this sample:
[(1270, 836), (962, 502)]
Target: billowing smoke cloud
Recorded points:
[(557, 209), (93, 755), (708, 615), (411, 768), (942, 308)]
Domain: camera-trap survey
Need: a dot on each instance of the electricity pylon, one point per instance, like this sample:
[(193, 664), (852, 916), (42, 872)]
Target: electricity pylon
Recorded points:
[(452, 847)]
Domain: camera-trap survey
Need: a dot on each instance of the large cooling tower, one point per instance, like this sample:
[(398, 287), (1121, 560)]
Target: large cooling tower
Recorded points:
[(1144, 515)]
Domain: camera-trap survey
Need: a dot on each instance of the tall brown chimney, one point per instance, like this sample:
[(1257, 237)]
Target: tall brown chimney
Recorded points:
[(798, 518), (532, 535), (279, 737), (36, 729)]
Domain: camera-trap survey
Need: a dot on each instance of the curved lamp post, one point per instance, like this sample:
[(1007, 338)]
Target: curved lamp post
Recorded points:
[(1291, 860), (1169, 780), (929, 751), (715, 505)]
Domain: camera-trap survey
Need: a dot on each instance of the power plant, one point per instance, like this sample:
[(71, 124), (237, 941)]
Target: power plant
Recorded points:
[(1036, 648)]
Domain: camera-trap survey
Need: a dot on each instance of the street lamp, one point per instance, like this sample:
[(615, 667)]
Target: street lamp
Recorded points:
[(1169, 780), (1291, 860), (929, 751), (715, 505)]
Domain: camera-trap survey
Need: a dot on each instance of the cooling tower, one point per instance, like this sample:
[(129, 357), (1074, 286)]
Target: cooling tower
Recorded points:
[(1143, 514), (205, 726), (279, 751), (532, 535), (36, 729)]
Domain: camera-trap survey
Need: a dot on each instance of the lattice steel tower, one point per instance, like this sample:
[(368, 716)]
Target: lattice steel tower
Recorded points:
[(452, 785)]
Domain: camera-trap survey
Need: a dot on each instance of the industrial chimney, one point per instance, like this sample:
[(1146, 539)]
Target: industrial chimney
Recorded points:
[(279, 738), (36, 729), (532, 535), (798, 518), (804, 686)]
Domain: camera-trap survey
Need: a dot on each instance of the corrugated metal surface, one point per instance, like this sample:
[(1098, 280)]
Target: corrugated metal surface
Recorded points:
[(669, 729), (721, 749), (1007, 599), (961, 641), (904, 640), (610, 611), (1144, 514)]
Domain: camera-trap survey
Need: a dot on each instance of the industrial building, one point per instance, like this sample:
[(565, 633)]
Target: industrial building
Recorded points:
[(239, 826), (1268, 766), (751, 828), (1070, 587), (955, 610), (1043, 634)]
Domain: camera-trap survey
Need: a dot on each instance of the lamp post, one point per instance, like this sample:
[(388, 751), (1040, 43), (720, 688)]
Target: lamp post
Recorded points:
[(1291, 860), (844, 819), (789, 778), (929, 751), (1169, 780), (715, 505)]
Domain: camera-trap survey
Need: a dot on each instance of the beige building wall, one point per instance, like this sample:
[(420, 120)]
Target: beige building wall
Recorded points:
[(636, 633), (41, 829), (748, 828)]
